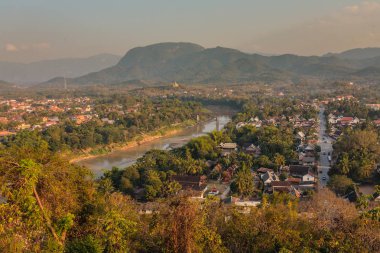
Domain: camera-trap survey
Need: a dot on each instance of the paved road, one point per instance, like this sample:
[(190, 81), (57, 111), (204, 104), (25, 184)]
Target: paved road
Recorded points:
[(326, 148), (225, 193)]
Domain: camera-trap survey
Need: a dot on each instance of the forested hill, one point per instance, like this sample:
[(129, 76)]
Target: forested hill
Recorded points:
[(191, 63)]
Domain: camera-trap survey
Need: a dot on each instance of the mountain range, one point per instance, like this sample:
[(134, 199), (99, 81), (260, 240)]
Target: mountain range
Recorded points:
[(37, 72), (358, 53), (191, 63)]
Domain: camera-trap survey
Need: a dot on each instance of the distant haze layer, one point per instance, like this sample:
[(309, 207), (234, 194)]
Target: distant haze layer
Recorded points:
[(37, 72)]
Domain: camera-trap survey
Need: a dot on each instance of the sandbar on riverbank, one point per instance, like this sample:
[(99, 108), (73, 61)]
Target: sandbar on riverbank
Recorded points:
[(146, 138)]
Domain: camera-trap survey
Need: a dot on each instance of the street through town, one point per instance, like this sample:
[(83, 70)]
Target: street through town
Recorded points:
[(325, 143)]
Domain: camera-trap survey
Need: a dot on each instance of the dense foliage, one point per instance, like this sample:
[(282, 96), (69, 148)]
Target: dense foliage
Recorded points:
[(52, 206), (358, 152), (152, 172), (349, 108)]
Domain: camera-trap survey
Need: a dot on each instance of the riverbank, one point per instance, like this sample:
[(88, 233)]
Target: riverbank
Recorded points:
[(137, 141), (124, 158), (124, 155)]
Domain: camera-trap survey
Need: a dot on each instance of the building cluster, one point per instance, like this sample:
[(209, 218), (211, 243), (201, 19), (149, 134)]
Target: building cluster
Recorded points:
[(292, 179), (374, 107), (338, 122), (338, 98), (297, 178), (30, 114), (297, 121), (40, 114)]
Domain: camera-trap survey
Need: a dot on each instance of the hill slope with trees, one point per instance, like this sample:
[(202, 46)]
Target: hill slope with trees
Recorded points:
[(191, 63)]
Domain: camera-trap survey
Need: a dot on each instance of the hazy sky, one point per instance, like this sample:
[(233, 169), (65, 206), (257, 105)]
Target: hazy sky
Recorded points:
[(44, 29)]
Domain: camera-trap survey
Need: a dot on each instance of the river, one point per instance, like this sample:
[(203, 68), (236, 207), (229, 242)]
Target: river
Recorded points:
[(125, 158)]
